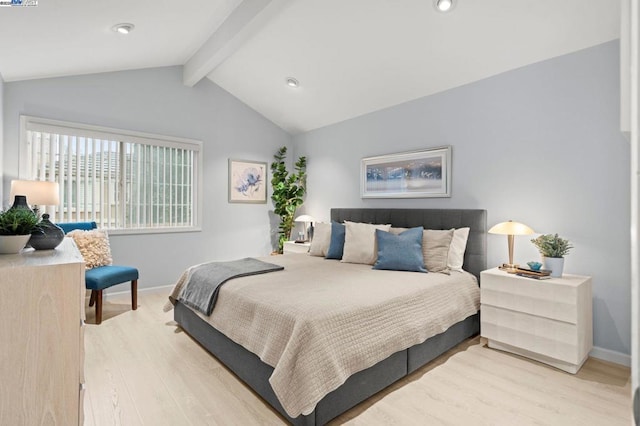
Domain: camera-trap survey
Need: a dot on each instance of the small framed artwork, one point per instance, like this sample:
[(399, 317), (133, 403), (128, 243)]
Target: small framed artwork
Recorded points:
[(247, 182), (416, 174)]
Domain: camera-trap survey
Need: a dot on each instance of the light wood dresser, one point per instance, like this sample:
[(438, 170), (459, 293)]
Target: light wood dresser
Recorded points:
[(42, 337), (546, 320)]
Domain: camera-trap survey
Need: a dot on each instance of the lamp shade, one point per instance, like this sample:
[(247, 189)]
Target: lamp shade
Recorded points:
[(304, 218), (511, 228), (38, 192)]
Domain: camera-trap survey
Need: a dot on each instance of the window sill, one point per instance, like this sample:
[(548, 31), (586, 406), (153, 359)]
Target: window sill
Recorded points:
[(140, 231)]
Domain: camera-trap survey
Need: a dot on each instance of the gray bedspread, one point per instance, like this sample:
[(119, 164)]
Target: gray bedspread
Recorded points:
[(203, 281)]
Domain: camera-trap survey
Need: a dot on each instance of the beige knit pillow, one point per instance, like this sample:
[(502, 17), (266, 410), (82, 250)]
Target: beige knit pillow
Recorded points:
[(435, 247), (360, 242), (321, 239), (94, 247)]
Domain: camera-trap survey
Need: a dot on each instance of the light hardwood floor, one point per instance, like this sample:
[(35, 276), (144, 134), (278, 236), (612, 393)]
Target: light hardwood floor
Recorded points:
[(141, 369)]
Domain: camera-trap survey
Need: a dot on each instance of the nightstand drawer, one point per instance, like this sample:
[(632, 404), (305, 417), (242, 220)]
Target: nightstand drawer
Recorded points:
[(552, 338), (557, 299)]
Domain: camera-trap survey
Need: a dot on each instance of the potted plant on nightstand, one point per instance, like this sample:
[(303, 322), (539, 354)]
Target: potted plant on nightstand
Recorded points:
[(553, 248), (16, 226)]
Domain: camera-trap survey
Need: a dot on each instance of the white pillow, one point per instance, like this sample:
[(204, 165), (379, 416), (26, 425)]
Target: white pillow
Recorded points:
[(321, 239), (457, 248), (360, 242)]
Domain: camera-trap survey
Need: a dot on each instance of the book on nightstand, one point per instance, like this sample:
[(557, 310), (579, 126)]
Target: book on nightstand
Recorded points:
[(532, 271), (533, 276), (541, 274)]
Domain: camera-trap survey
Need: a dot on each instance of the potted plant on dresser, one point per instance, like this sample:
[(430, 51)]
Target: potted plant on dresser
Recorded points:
[(16, 226), (553, 248)]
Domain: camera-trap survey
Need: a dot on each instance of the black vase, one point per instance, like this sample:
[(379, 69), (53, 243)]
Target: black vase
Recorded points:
[(48, 236), (20, 202)]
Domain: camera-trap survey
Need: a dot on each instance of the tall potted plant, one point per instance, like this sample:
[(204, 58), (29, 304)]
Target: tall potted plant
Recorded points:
[(16, 226), (288, 192), (553, 249)]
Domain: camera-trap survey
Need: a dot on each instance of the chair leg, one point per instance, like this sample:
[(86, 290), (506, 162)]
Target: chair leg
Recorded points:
[(134, 294), (98, 306), (92, 299)]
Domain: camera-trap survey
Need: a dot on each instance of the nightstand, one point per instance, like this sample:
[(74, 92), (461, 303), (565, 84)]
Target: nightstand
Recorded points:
[(546, 320), (293, 247)]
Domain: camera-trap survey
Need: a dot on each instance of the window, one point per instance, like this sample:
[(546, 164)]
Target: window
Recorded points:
[(123, 180)]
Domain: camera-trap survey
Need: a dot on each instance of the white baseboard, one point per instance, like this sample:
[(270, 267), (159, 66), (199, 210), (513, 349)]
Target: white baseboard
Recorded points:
[(125, 289), (611, 356)]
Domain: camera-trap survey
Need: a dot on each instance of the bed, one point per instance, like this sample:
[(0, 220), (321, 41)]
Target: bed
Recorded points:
[(360, 385)]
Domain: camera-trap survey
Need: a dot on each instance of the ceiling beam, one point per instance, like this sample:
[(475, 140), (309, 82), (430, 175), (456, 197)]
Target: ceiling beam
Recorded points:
[(248, 18)]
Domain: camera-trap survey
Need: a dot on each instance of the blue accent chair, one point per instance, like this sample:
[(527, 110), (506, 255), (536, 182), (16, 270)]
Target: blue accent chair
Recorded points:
[(97, 279)]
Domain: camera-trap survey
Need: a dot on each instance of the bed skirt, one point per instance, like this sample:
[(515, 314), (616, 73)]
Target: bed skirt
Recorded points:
[(359, 387)]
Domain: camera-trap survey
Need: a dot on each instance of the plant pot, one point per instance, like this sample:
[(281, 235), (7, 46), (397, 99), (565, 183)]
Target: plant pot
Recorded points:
[(555, 265), (12, 244)]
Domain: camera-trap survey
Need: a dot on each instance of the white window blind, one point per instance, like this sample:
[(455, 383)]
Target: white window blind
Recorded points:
[(119, 179)]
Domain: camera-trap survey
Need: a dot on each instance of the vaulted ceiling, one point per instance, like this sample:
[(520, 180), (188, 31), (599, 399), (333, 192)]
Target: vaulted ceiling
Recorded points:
[(350, 57)]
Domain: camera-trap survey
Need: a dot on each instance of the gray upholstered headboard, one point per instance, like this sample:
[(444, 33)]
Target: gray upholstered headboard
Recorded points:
[(475, 257)]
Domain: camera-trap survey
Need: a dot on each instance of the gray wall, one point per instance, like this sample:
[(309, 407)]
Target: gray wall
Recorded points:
[(156, 101), (540, 145)]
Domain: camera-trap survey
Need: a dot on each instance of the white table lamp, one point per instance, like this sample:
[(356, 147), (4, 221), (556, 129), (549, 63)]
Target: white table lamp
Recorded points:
[(510, 229), (306, 219), (38, 193)]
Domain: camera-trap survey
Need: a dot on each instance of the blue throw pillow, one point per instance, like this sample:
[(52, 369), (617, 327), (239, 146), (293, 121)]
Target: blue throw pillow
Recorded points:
[(401, 252), (336, 246)]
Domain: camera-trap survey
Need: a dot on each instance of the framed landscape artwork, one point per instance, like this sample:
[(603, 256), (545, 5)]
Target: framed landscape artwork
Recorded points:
[(416, 174), (247, 182)]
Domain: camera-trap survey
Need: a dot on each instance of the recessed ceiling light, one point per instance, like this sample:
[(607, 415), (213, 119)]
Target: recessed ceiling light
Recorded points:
[(443, 5), (292, 82), (123, 28)]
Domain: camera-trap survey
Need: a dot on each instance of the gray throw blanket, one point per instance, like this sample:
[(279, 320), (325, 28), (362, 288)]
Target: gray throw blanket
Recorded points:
[(204, 281)]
